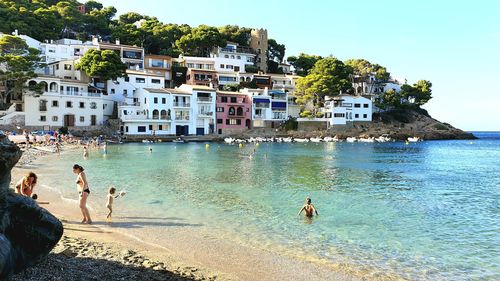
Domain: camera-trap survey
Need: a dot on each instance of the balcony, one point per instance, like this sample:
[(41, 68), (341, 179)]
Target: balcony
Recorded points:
[(181, 104), (204, 99), (182, 118), (205, 114)]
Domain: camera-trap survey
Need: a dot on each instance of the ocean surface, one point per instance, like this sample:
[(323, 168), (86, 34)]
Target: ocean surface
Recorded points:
[(420, 211)]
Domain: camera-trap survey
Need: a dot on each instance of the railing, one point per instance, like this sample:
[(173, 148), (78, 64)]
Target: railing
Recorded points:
[(262, 105), (205, 113), (129, 104), (97, 95), (181, 104), (204, 99), (182, 118)]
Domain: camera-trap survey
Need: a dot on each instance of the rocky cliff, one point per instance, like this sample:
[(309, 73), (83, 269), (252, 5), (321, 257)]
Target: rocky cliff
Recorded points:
[(27, 232)]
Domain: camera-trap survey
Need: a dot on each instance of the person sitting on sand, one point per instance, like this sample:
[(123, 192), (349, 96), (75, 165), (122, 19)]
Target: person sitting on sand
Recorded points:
[(84, 192), (308, 208), (26, 185), (109, 203)]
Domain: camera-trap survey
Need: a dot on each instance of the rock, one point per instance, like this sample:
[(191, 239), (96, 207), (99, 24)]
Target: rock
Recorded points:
[(68, 252), (27, 232)]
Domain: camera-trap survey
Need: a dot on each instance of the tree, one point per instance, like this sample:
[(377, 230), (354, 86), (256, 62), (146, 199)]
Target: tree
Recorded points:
[(92, 5), (236, 34), (364, 70), (17, 65), (104, 64), (328, 77), (130, 18), (201, 41), (418, 94), (303, 63), (275, 55)]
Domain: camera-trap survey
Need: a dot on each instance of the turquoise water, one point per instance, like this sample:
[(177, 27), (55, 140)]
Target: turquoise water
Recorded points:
[(423, 211)]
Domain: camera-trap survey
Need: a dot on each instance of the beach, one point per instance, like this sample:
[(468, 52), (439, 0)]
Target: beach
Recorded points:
[(109, 252)]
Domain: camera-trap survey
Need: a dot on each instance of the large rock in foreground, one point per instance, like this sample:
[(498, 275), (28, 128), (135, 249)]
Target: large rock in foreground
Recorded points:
[(27, 232)]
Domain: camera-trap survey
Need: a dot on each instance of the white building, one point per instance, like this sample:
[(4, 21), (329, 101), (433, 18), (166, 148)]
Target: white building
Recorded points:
[(186, 110), (370, 87), (64, 103), (346, 108), (64, 49), (286, 83), (124, 88), (268, 106), (233, 58)]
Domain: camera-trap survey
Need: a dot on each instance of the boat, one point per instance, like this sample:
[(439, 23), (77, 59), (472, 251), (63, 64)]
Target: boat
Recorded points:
[(372, 139), (383, 138), (301, 140), (287, 139), (351, 139), (147, 141), (316, 139), (240, 140), (414, 139), (179, 140), (229, 140)]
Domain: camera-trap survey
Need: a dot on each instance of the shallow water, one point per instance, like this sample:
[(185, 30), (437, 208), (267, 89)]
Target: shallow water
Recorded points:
[(426, 210)]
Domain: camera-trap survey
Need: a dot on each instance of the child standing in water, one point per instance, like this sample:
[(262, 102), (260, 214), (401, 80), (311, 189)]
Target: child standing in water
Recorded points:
[(308, 209), (109, 204)]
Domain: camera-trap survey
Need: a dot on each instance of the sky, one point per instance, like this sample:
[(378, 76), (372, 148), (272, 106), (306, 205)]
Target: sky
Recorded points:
[(454, 44)]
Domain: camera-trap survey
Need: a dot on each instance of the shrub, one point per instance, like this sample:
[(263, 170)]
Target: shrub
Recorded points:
[(306, 114)]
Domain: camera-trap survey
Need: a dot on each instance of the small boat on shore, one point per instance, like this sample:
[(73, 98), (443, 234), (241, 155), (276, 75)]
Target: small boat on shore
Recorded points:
[(351, 139), (302, 140), (229, 140), (179, 140), (414, 139), (288, 139), (383, 139), (147, 141), (372, 139)]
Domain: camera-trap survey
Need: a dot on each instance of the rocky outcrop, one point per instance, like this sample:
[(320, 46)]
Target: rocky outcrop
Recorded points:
[(27, 232)]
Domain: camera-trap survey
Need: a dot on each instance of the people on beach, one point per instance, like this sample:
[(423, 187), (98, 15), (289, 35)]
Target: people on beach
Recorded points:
[(84, 192), (109, 202), (85, 152), (105, 148), (26, 185), (58, 147), (308, 208)]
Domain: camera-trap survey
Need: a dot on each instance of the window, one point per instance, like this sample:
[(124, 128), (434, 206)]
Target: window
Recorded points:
[(219, 121), (67, 66), (157, 63), (55, 118), (163, 100), (112, 91), (231, 111), (69, 104), (221, 66), (233, 122), (339, 115), (150, 127), (55, 103), (42, 105), (127, 79), (141, 129), (357, 105), (226, 56), (155, 81), (82, 105), (140, 80), (233, 99), (160, 127), (124, 112), (126, 129), (356, 115), (365, 116), (238, 57), (82, 119), (237, 68), (57, 66), (155, 100), (365, 105), (43, 118), (223, 99), (220, 109), (229, 66), (132, 55), (93, 105)]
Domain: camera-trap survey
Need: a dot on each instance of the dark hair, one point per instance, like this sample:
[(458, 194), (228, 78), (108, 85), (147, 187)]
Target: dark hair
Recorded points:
[(31, 175), (76, 166), (112, 190), (308, 200)]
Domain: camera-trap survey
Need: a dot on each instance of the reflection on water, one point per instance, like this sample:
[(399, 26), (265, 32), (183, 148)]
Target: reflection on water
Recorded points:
[(422, 211)]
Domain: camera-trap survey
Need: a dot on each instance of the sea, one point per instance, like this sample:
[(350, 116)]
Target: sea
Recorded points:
[(419, 211)]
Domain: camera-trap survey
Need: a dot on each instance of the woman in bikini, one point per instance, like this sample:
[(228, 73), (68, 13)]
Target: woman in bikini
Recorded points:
[(84, 191), (26, 185)]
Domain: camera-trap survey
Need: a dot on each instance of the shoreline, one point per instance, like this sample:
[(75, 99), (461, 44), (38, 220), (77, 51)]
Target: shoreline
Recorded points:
[(183, 249)]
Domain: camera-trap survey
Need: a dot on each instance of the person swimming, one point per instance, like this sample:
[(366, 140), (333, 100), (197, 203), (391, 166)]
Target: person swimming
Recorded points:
[(309, 209)]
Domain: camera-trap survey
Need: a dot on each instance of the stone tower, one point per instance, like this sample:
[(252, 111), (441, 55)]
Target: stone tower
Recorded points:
[(258, 42)]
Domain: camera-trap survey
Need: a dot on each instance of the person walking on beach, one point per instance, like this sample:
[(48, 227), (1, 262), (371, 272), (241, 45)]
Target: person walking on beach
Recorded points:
[(109, 203), (26, 185), (309, 209), (84, 192)]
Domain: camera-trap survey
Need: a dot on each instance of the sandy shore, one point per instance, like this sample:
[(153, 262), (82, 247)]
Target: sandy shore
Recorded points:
[(124, 251)]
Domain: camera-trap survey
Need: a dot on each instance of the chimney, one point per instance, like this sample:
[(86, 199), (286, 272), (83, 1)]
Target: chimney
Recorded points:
[(15, 33), (117, 42)]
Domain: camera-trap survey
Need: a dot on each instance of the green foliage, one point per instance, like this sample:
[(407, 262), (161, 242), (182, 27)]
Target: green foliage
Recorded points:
[(201, 40), (291, 124), (236, 34), (328, 77), (63, 130), (303, 63), (306, 114), (18, 64), (275, 55), (320, 114), (418, 94), (104, 64), (251, 85), (364, 69), (231, 87), (251, 69)]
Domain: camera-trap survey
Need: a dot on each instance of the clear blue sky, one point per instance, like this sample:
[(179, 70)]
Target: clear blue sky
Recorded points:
[(454, 44)]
